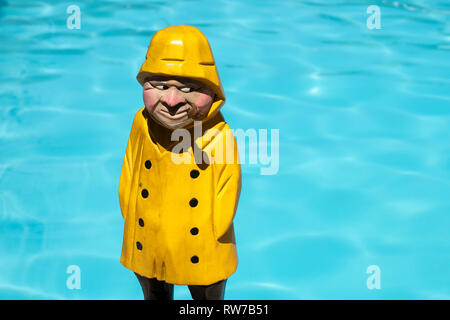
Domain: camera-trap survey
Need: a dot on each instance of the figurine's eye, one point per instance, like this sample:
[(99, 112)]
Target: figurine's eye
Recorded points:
[(162, 87), (187, 89)]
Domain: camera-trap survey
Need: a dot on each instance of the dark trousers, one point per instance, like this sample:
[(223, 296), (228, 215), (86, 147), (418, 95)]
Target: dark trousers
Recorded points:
[(160, 290)]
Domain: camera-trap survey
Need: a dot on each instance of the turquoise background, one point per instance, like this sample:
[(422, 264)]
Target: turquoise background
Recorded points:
[(363, 117)]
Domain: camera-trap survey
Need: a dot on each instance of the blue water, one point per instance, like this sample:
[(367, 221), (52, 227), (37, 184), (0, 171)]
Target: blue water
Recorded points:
[(363, 118)]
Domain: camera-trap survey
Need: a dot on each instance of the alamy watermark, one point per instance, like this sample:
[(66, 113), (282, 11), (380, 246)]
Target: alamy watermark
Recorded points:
[(224, 149), (374, 20), (374, 280), (74, 20), (74, 280)]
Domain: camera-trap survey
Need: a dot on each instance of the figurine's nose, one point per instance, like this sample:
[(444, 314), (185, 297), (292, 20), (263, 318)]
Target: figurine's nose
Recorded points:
[(172, 98)]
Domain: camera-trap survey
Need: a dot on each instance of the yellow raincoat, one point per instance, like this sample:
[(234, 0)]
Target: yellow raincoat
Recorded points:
[(179, 216)]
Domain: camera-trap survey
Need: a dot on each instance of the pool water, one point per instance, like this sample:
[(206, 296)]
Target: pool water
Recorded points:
[(364, 153)]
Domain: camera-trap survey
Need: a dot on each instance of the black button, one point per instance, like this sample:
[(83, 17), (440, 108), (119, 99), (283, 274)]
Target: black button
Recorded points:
[(194, 231), (141, 222), (194, 174), (194, 259), (193, 203), (139, 245), (148, 164), (144, 193)]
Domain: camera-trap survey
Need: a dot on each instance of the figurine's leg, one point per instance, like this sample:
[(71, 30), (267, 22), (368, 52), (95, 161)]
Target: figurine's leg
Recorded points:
[(215, 291), (154, 289)]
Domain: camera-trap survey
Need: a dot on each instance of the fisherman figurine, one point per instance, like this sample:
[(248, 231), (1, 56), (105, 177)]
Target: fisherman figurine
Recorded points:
[(181, 178)]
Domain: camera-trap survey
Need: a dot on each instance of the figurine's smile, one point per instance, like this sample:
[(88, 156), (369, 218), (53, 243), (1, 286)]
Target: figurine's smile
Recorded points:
[(176, 102), (175, 114)]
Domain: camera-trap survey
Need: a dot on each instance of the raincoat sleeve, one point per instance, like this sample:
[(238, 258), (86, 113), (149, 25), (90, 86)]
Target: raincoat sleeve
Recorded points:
[(228, 189), (128, 167)]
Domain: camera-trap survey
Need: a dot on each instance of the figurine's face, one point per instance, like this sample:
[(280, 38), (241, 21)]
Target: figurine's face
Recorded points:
[(176, 102)]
